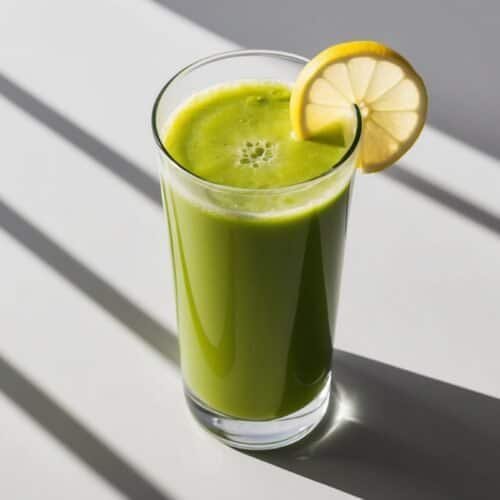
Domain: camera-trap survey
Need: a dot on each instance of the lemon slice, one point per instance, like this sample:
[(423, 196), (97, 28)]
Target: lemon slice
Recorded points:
[(389, 93)]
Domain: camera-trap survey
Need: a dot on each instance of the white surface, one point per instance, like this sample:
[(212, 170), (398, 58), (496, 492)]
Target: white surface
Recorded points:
[(420, 284)]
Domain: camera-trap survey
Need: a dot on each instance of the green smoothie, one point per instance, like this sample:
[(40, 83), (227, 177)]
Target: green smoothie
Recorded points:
[(256, 293)]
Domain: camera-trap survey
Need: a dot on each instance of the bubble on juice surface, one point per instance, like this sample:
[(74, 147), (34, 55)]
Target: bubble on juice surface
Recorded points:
[(256, 153)]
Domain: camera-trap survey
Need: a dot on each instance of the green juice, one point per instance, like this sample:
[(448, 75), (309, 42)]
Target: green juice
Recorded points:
[(256, 294)]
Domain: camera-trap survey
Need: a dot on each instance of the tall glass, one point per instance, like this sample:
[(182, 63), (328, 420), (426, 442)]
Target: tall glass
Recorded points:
[(257, 274)]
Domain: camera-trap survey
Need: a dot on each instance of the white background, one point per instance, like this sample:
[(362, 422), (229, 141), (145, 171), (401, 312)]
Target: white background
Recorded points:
[(89, 407)]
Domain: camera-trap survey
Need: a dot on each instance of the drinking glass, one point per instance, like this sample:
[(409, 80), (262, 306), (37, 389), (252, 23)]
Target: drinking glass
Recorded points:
[(256, 274)]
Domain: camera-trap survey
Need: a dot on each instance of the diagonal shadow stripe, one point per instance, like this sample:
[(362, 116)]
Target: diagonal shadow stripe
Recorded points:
[(75, 437), (114, 161), (445, 198), (90, 284)]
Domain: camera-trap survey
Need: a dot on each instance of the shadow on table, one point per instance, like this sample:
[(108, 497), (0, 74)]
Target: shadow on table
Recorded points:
[(447, 199), (398, 435), (89, 283), (75, 437)]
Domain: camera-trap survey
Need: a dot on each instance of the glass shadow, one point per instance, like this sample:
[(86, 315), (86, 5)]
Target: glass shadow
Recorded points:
[(395, 434)]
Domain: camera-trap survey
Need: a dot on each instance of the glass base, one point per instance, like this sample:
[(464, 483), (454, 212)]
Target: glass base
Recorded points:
[(263, 434)]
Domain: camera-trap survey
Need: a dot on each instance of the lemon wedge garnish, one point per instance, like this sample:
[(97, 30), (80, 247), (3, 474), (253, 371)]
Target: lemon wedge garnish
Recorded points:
[(389, 93)]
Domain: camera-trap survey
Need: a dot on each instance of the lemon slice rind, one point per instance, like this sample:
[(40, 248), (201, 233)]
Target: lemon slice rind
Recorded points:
[(390, 94)]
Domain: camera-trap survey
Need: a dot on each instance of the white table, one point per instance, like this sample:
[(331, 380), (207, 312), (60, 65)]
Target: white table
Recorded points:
[(91, 402)]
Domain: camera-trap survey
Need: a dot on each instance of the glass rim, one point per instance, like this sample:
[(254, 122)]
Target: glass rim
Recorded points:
[(224, 187)]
